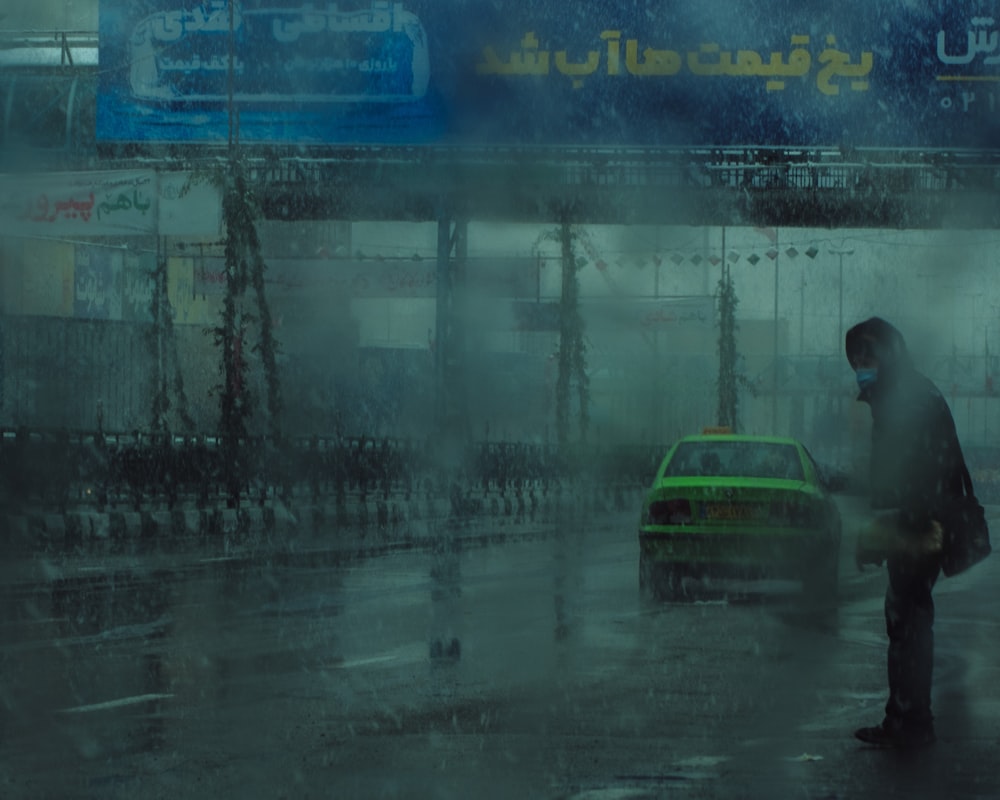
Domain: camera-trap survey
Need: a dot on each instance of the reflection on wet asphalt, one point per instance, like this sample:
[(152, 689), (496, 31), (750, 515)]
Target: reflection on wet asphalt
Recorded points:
[(526, 668)]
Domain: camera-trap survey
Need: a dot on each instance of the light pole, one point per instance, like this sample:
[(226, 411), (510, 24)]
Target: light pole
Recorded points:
[(802, 313), (842, 251), (774, 367)]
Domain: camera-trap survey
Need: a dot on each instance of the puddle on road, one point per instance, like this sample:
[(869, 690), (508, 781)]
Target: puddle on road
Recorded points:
[(410, 653), (702, 761), (684, 774)]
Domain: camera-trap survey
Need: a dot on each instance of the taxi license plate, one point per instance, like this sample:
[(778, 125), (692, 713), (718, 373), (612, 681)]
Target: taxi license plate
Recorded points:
[(731, 511)]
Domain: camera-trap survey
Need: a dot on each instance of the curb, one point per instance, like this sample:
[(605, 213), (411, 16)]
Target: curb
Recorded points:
[(43, 546)]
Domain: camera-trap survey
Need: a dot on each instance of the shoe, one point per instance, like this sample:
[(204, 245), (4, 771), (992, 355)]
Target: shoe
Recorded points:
[(904, 738)]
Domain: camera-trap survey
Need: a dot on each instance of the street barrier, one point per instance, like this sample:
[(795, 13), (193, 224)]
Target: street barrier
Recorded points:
[(60, 470)]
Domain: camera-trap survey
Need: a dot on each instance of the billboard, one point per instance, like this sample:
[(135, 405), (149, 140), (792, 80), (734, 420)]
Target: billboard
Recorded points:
[(109, 203), (778, 73), (67, 204), (98, 283)]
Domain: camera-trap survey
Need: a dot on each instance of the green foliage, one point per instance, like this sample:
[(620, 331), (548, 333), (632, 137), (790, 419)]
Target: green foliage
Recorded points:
[(572, 354), (245, 269), (731, 379), (162, 343)]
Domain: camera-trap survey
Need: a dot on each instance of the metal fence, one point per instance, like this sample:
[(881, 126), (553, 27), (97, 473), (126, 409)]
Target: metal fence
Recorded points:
[(74, 373), (62, 469)]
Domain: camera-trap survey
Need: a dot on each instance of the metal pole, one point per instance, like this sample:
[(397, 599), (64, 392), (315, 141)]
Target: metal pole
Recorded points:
[(656, 281), (230, 73), (774, 368), (159, 311), (802, 313), (840, 320), (442, 343)]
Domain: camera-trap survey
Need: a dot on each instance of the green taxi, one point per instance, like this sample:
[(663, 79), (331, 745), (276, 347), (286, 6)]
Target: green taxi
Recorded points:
[(726, 505)]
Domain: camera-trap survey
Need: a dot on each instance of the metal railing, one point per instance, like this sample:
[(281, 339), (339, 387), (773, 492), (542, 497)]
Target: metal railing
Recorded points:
[(62, 470)]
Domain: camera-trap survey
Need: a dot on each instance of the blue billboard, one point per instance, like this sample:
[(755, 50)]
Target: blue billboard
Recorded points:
[(604, 73)]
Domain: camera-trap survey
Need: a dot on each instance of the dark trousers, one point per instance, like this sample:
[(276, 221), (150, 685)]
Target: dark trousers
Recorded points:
[(909, 621)]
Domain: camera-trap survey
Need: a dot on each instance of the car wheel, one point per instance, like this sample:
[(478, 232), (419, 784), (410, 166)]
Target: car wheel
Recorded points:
[(645, 577)]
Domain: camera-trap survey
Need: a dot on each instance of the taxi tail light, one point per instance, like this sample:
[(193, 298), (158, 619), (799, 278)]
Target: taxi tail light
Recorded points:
[(670, 512)]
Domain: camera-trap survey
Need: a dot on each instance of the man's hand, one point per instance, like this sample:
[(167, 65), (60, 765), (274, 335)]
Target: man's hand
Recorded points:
[(876, 539), (868, 548), (930, 543), (882, 536)]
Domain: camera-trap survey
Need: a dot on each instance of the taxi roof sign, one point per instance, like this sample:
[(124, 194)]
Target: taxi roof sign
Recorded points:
[(716, 430)]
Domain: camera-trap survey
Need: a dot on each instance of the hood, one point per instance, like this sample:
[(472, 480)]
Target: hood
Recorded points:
[(877, 337)]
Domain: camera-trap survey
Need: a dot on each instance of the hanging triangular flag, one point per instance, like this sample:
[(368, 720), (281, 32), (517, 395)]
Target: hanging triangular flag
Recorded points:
[(696, 259), (770, 233), (677, 258), (753, 258), (772, 254), (791, 252), (733, 256), (714, 260), (812, 252)]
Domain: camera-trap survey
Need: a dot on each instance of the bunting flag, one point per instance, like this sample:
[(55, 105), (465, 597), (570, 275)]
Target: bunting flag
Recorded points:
[(678, 258), (753, 258)]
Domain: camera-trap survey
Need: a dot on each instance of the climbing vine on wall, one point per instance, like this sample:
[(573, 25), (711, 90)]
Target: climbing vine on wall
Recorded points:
[(163, 349), (241, 317), (731, 379), (245, 269)]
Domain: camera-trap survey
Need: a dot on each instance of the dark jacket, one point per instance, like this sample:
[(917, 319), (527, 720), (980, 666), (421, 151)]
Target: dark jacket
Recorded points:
[(916, 459)]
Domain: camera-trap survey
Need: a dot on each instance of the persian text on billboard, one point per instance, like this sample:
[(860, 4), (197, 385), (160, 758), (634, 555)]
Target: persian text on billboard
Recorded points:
[(487, 72), (78, 204)]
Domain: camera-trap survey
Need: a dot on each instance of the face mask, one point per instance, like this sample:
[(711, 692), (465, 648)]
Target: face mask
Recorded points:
[(866, 377)]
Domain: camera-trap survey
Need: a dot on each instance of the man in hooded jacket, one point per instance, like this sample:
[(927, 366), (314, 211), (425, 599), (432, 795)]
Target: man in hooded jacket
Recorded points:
[(916, 468)]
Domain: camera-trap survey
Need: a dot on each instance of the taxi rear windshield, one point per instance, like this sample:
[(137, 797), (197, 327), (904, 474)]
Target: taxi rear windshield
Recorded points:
[(735, 459)]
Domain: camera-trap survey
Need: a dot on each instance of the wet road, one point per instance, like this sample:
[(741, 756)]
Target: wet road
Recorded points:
[(520, 669)]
